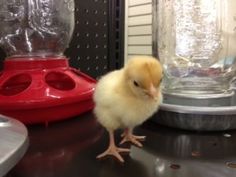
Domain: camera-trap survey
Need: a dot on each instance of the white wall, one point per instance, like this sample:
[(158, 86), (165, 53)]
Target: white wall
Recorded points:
[(138, 28)]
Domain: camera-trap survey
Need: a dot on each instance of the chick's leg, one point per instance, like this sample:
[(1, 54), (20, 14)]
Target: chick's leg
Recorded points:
[(129, 137), (113, 149)]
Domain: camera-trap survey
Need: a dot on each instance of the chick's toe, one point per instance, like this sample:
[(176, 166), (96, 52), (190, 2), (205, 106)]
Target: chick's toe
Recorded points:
[(133, 139), (114, 151)]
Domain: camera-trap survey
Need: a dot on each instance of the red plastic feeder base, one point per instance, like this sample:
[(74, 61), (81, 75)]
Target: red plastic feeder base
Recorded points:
[(39, 90)]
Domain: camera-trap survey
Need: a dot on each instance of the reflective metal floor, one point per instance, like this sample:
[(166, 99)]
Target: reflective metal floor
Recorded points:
[(69, 148)]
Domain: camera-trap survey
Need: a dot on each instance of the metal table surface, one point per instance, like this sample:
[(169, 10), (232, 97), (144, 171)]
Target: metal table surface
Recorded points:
[(69, 148)]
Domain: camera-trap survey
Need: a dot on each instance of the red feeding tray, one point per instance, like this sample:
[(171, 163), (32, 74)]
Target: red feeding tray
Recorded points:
[(42, 90)]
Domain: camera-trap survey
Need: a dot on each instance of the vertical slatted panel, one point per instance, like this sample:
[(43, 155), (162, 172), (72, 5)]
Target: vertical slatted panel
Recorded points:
[(138, 27), (139, 2)]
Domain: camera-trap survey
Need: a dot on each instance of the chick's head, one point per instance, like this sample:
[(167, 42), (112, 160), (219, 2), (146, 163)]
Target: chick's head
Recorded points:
[(143, 75)]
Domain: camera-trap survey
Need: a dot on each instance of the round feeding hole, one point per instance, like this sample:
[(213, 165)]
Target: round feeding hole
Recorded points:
[(59, 81), (15, 85)]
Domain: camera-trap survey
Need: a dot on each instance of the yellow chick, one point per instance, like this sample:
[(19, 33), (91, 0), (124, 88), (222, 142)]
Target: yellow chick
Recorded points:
[(126, 98)]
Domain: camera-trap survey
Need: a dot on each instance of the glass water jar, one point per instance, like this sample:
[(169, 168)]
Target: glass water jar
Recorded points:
[(196, 43), (36, 27)]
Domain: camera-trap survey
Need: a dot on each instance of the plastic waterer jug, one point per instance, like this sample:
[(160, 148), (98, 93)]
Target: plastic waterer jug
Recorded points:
[(37, 84)]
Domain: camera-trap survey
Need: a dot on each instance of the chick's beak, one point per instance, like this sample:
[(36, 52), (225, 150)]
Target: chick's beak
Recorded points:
[(153, 92)]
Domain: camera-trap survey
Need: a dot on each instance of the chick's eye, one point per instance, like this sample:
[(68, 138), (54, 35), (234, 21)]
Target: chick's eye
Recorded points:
[(136, 84)]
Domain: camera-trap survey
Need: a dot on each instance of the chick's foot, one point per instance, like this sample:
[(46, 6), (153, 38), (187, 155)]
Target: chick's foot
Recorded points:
[(114, 151), (129, 137)]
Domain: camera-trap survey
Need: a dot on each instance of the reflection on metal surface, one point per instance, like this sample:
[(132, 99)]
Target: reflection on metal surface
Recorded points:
[(195, 169), (196, 154), (69, 148), (3, 120), (231, 164), (13, 143), (53, 149), (179, 153), (175, 166), (227, 135)]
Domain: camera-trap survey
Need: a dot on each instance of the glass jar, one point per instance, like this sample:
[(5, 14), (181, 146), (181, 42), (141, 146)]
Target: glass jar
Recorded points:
[(36, 27), (196, 43)]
